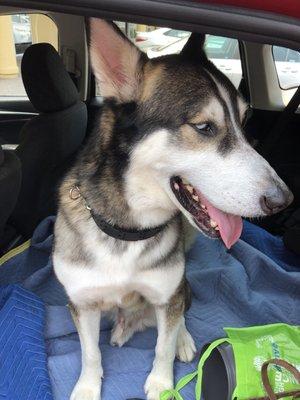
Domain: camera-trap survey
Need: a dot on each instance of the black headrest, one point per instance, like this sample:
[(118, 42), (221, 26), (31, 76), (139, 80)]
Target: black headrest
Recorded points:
[(47, 83)]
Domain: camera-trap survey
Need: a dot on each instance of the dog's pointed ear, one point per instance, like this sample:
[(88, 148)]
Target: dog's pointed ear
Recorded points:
[(116, 62), (194, 47)]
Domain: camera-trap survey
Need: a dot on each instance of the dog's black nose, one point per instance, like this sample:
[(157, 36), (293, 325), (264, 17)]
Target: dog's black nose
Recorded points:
[(276, 199)]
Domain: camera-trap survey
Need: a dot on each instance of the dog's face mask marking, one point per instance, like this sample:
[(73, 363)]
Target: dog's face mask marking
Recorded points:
[(190, 143)]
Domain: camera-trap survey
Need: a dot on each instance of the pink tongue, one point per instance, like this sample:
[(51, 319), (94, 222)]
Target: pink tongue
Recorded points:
[(230, 225)]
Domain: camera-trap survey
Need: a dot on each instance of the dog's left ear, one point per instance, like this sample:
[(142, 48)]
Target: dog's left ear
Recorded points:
[(116, 61), (194, 47)]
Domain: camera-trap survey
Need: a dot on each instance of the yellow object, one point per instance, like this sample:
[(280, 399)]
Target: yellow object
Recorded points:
[(8, 62), (15, 252), (43, 30), (141, 28)]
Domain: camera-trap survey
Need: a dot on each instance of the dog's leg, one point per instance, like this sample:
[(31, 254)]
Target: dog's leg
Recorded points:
[(185, 348), (169, 319), (87, 322)]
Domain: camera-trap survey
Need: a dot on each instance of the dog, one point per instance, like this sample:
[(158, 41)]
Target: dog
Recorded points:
[(169, 143)]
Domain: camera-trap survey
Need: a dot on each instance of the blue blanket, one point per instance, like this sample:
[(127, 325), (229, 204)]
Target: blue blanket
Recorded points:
[(256, 282), (23, 359)]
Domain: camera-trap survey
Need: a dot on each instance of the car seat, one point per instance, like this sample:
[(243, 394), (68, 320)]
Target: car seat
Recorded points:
[(49, 141)]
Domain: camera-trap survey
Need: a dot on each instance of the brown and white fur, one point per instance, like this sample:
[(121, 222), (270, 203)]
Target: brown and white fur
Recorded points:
[(147, 133)]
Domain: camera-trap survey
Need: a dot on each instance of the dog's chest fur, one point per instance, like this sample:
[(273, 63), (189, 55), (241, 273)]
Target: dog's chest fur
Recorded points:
[(96, 269)]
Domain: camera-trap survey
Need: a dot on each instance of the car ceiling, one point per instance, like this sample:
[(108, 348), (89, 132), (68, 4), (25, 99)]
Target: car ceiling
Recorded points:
[(241, 23)]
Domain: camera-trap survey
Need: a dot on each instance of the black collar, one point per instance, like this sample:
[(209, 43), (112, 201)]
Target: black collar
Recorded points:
[(130, 235)]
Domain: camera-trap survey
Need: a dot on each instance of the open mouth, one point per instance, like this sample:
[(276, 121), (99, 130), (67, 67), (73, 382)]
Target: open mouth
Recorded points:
[(213, 222)]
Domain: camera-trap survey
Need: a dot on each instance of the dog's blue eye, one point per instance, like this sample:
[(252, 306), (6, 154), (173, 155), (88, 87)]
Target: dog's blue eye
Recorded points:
[(204, 128)]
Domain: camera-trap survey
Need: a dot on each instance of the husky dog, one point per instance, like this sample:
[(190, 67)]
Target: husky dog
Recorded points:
[(169, 141)]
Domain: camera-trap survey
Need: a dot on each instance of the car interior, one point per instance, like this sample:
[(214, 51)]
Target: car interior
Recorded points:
[(50, 103), (54, 105)]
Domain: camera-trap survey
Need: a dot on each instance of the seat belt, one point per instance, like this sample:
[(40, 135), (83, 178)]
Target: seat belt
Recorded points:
[(278, 127)]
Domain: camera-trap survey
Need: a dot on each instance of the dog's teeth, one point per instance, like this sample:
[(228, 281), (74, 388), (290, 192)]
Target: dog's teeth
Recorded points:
[(195, 197), (217, 228), (213, 223), (189, 188), (176, 186), (203, 206)]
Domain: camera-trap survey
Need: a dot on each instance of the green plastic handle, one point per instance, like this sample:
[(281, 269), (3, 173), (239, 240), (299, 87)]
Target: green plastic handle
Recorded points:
[(174, 393)]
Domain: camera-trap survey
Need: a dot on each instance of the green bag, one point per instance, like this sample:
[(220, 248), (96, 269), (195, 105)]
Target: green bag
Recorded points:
[(255, 349)]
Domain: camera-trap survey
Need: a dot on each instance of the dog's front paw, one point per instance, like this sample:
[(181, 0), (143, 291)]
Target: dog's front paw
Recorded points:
[(185, 348), (155, 385), (86, 391)]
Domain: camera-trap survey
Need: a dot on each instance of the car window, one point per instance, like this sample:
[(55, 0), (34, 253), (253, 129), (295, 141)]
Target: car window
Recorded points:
[(279, 53), (176, 33), (222, 47), (19, 31), (287, 63)]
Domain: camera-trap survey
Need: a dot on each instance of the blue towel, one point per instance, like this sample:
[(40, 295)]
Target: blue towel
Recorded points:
[(254, 283)]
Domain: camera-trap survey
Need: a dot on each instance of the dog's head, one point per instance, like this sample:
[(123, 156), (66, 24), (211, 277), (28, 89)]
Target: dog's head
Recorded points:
[(190, 143)]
